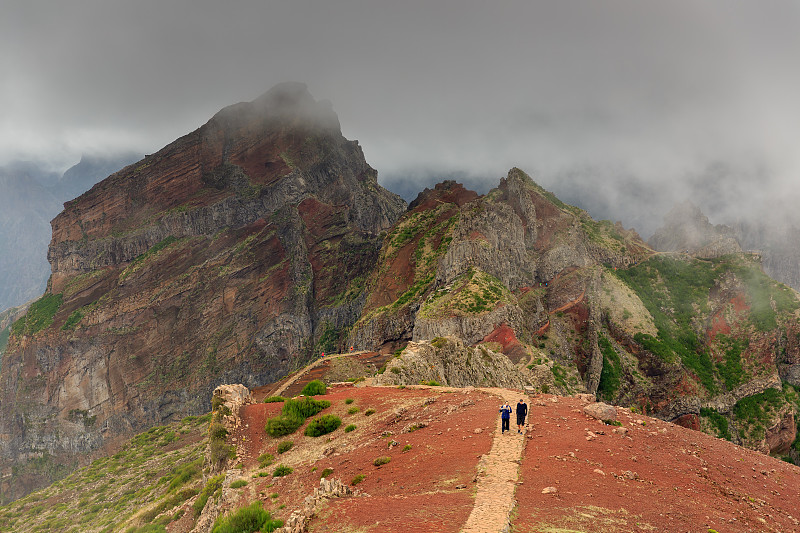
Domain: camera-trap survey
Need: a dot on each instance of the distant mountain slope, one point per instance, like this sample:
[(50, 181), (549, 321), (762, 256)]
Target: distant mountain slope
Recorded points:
[(30, 198)]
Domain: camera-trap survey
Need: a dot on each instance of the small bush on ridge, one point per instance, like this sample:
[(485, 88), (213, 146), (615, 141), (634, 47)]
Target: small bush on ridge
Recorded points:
[(282, 470), (314, 388), (285, 446), (274, 399), (323, 425), (246, 520), (280, 426)]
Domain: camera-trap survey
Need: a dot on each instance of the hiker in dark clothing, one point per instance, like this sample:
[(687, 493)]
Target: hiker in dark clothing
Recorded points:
[(505, 417), (522, 411)]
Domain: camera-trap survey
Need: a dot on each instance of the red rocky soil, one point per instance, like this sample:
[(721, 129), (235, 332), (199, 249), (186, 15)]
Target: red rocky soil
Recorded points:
[(575, 474), (418, 491)]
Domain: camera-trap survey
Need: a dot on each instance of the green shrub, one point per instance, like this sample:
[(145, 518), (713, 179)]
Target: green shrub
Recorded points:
[(327, 472), (246, 520), (213, 486), (369, 412), (755, 411), (433, 383), (358, 479), (352, 410), (274, 399), (282, 470), (183, 474), (217, 431), (718, 421), (379, 461), (438, 342), (221, 452), (350, 428), (265, 460), (612, 368), (304, 407), (280, 426), (406, 447), (323, 425), (349, 401), (285, 446), (239, 483), (314, 388), (293, 414)]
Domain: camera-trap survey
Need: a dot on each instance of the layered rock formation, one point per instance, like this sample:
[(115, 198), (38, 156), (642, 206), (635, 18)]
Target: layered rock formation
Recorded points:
[(227, 256)]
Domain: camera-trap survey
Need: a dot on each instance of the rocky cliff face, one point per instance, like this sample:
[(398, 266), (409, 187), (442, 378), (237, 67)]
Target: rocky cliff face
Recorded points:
[(231, 255)]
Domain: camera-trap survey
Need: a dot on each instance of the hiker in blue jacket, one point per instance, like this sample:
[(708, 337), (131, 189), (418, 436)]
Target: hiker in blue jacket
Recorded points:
[(505, 416)]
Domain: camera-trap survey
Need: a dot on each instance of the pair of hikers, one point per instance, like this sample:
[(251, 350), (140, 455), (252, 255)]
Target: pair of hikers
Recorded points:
[(505, 415)]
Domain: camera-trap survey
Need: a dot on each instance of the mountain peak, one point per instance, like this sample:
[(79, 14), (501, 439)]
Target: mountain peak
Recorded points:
[(288, 101)]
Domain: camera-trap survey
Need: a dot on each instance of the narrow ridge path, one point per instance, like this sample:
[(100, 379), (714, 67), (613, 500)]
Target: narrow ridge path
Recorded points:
[(308, 367), (312, 365), (498, 474)]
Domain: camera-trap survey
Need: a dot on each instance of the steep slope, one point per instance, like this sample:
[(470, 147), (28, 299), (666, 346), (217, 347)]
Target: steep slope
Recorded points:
[(226, 256)]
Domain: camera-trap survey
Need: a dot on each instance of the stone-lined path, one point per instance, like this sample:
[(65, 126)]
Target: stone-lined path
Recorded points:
[(498, 474)]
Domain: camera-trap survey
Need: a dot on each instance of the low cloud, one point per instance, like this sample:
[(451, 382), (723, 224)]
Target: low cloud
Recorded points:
[(621, 106)]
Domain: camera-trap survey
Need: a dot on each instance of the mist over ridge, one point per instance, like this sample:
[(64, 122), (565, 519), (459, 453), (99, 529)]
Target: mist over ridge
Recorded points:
[(620, 107)]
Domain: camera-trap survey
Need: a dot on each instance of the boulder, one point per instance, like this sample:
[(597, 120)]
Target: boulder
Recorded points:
[(601, 411)]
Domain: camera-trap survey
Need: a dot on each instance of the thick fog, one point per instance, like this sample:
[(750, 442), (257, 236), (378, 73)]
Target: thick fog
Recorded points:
[(622, 107)]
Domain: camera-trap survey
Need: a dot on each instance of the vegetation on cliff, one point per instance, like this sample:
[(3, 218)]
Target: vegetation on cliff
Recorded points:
[(154, 473)]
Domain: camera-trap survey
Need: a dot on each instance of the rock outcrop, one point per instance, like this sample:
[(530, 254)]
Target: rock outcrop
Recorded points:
[(328, 488), (449, 362), (227, 256)]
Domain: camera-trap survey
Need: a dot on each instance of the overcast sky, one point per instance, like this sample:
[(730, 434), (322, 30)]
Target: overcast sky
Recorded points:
[(623, 107)]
